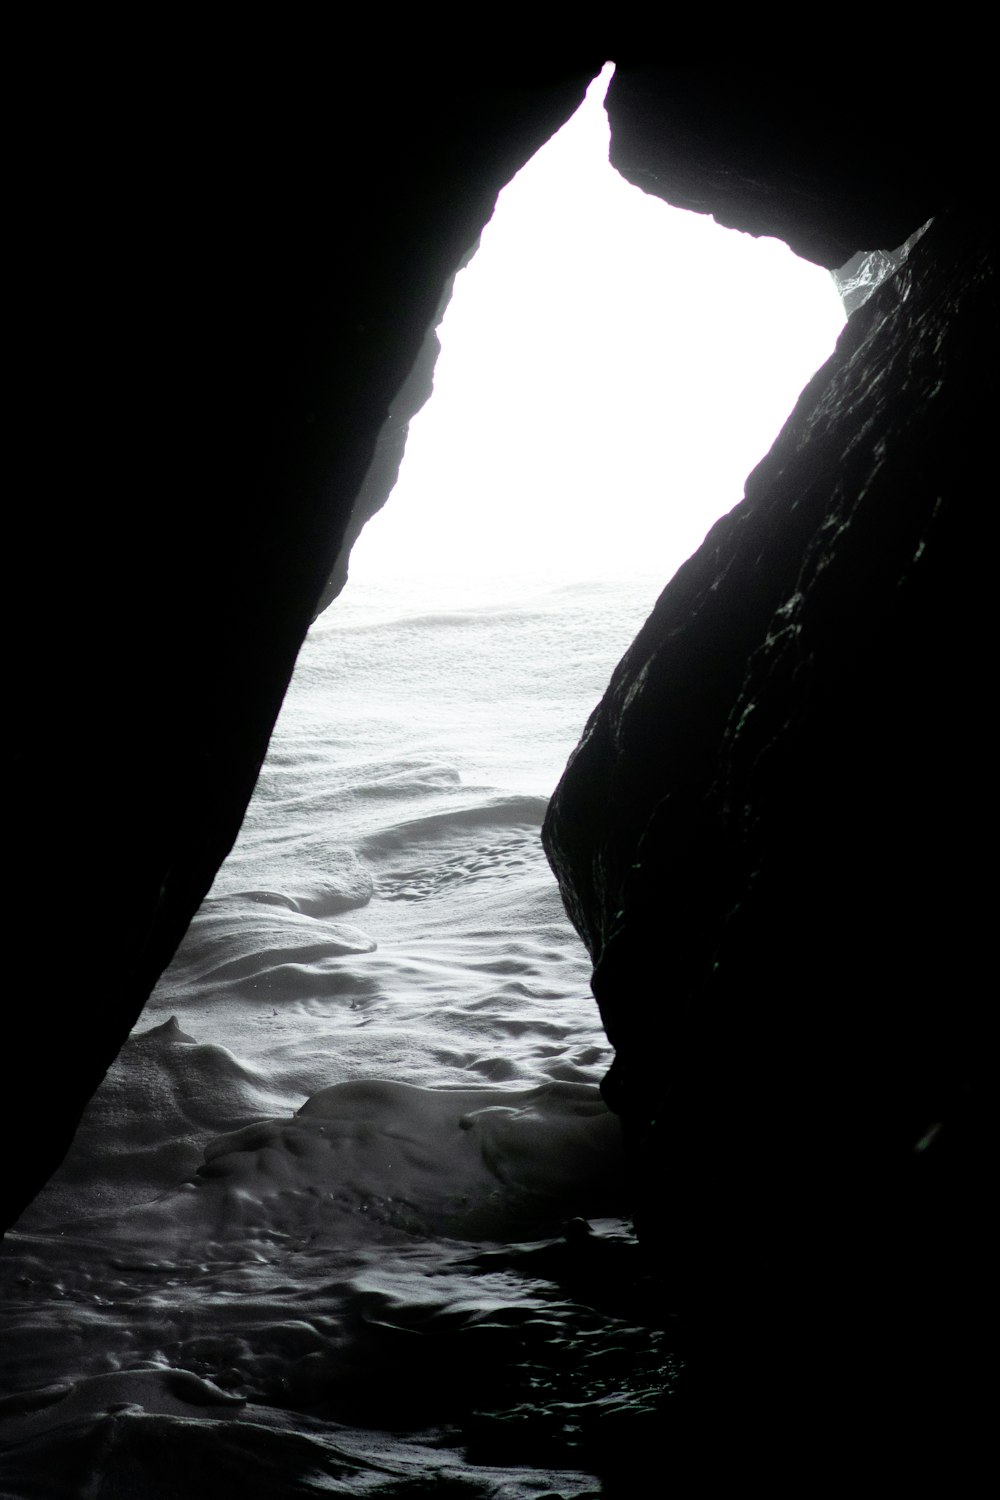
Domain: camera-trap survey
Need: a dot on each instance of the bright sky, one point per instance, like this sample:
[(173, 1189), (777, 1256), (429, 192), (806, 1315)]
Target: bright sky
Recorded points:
[(604, 358)]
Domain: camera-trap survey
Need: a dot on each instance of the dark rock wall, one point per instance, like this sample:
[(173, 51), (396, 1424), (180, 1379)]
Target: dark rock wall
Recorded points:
[(235, 245), (830, 157), (768, 839)]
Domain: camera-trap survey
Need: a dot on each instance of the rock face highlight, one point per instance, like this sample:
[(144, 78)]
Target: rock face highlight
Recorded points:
[(765, 839)]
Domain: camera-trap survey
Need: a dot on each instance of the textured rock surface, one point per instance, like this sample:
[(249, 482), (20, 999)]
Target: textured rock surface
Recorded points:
[(767, 838), (865, 272), (810, 151)]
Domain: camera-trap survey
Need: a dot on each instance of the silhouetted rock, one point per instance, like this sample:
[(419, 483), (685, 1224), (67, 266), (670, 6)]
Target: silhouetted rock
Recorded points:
[(805, 151), (236, 249), (767, 838)]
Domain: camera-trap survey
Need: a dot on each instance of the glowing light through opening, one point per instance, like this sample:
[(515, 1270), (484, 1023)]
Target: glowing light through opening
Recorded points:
[(611, 369)]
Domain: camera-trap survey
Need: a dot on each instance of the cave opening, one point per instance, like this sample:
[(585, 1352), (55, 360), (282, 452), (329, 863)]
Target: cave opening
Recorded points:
[(375, 1058), (599, 342), (387, 913)]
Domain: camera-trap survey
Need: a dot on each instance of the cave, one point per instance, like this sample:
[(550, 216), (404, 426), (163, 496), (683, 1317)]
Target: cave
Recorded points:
[(770, 862)]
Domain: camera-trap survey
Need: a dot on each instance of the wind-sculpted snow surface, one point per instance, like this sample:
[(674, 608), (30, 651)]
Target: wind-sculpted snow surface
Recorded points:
[(347, 1214)]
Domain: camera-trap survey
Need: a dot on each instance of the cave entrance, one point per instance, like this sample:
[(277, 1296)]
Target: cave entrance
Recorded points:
[(375, 1047), (611, 369)]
